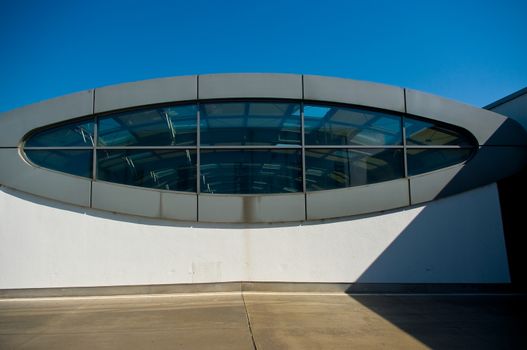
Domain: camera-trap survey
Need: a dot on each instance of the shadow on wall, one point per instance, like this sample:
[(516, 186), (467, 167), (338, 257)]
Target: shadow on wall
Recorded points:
[(476, 247), (513, 190), (490, 162), (450, 242), (456, 240)]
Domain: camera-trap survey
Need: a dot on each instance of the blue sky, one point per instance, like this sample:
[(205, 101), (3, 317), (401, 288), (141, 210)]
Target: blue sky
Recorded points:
[(471, 51)]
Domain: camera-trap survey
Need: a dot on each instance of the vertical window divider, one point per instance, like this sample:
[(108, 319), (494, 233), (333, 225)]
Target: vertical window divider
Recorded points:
[(198, 152), (198, 149), (95, 141), (405, 156), (94, 148), (303, 147), (303, 141), (405, 160)]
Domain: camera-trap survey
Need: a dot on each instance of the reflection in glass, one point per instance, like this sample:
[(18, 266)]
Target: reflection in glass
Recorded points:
[(163, 169), (326, 125), (419, 132), (250, 123), (79, 134), (423, 160), (337, 168), (251, 171), (168, 126), (75, 162)]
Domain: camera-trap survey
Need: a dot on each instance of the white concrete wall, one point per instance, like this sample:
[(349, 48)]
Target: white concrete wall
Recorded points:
[(46, 244)]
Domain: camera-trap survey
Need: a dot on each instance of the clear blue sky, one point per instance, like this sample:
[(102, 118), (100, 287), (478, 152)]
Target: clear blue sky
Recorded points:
[(471, 51)]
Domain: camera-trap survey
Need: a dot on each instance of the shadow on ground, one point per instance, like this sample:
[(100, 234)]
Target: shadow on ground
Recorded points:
[(456, 322)]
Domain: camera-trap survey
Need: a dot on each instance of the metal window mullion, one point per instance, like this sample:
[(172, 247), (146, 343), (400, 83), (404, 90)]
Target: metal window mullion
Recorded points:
[(66, 148), (405, 158), (438, 146), (148, 147), (231, 147), (304, 186), (95, 141), (353, 146), (198, 151)]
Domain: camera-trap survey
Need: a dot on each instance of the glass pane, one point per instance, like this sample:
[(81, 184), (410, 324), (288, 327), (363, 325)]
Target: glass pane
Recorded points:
[(163, 169), (75, 162), (251, 171), (250, 123), (327, 125), (168, 126), (423, 160), (419, 132), (70, 135), (337, 168)]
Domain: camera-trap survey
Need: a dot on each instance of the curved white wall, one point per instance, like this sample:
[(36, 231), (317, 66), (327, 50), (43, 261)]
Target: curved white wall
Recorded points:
[(43, 243)]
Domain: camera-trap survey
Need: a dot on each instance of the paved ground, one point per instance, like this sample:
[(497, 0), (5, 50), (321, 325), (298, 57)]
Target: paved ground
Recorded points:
[(265, 321)]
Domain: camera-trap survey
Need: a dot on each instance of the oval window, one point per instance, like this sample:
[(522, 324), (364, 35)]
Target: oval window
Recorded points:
[(249, 147)]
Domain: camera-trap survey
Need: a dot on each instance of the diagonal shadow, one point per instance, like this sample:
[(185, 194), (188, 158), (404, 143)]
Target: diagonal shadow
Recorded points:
[(460, 241)]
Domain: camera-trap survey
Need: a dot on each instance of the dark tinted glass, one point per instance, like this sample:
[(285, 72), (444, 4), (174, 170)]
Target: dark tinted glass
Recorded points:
[(250, 123), (69, 135), (422, 160), (251, 171), (163, 169), (75, 162), (337, 168), (169, 126), (326, 125), (419, 132)]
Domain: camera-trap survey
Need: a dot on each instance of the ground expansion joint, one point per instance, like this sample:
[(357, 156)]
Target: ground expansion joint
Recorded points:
[(249, 322)]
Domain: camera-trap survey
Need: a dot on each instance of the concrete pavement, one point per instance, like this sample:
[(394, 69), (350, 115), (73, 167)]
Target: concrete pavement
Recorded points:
[(264, 321)]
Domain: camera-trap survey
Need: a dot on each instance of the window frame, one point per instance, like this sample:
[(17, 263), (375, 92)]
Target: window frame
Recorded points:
[(302, 146)]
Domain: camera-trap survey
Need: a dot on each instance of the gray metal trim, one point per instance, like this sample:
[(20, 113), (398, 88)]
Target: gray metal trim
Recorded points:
[(219, 86), (137, 147), (427, 187), (488, 165), (251, 208), (18, 174), (357, 200), (252, 147), (502, 150), (506, 99), (145, 92), (126, 199), (353, 92), (179, 206), (18, 122), (489, 128)]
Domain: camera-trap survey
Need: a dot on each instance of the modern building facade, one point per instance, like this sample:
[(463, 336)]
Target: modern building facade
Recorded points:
[(253, 177)]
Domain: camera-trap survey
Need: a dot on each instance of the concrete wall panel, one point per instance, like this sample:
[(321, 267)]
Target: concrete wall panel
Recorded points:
[(458, 239)]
